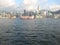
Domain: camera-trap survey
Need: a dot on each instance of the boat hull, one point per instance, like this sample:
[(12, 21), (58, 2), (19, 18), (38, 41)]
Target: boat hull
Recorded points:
[(27, 17)]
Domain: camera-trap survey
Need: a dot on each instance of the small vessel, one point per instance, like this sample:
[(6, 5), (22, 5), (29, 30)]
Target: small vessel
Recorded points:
[(27, 17)]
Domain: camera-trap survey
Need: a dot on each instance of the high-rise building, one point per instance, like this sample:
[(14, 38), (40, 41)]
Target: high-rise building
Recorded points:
[(38, 9)]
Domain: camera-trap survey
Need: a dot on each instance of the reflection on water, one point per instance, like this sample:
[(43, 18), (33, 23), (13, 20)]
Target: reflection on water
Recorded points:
[(29, 32)]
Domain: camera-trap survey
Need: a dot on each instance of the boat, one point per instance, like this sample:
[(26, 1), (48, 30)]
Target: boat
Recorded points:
[(26, 17)]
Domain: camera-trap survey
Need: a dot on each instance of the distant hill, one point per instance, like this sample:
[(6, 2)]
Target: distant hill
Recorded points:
[(57, 12)]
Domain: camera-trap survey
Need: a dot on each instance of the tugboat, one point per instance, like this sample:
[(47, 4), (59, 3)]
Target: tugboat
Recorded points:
[(27, 15)]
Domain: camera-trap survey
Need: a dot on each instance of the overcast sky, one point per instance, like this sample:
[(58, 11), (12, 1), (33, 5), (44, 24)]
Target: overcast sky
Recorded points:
[(31, 4)]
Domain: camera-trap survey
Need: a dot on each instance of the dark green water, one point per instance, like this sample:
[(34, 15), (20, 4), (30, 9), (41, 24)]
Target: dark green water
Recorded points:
[(30, 32)]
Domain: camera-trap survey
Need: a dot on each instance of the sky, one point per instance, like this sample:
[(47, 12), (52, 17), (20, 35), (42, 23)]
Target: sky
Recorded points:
[(31, 4)]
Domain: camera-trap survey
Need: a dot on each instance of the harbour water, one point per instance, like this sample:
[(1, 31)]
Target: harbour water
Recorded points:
[(30, 32)]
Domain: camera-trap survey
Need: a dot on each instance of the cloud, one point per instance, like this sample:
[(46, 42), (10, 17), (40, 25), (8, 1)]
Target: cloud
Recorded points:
[(54, 7), (51, 7), (7, 3), (32, 4), (26, 4)]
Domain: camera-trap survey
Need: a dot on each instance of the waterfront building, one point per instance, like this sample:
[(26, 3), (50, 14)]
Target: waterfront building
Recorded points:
[(56, 16)]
